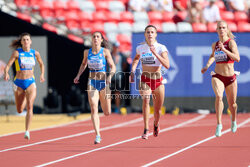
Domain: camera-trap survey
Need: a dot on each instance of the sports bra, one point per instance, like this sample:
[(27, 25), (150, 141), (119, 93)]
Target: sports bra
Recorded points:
[(147, 57), (220, 56), (96, 62), (26, 60)]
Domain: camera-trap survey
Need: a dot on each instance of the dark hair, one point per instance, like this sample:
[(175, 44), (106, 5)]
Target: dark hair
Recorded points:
[(150, 25), (17, 42), (105, 42)]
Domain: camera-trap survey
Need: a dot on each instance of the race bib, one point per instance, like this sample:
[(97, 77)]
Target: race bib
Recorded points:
[(95, 64), (220, 56), (27, 62), (148, 58)]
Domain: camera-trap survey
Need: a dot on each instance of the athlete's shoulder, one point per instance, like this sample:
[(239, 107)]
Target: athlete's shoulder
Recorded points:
[(231, 41), (214, 43), (35, 52), (141, 45), (87, 50), (32, 50), (160, 45), (105, 49), (19, 49)]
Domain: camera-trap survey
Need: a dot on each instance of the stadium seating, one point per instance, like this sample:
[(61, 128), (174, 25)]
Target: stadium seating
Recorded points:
[(199, 27), (227, 16), (125, 27), (240, 16), (60, 16), (87, 6), (220, 5), (139, 26), (110, 27), (232, 26), (97, 26), (73, 5), (211, 27), (184, 27), (141, 17), (24, 17), (155, 16), (85, 16), (243, 27), (111, 17), (100, 16), (47, 15), (72, 16), (46, 5), (49, 27), (116, 6), (101, 6), (73, 26), (158, 25), (85, 27), (75, 38), (127, 16), (34, 5), (168, 16), (169, 27), (112, 37), (59, 5), (22, 4)]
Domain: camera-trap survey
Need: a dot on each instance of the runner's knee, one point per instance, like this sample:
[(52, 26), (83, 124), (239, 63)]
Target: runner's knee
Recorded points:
[(219, 98), (233, 106)]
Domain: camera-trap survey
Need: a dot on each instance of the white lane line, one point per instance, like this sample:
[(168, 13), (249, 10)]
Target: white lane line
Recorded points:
[(124, 141), (51, 127), (193, 145), (74, 135)]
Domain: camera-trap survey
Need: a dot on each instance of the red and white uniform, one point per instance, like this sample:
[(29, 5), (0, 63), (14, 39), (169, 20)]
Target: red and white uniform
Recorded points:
[(147, 57)]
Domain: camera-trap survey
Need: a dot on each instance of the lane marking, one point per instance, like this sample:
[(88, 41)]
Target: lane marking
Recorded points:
[(51, 127), (124, 141), (193, 145), (74, 135)]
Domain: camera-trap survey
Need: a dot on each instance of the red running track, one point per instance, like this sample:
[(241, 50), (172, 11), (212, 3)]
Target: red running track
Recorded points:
[(185, 140)]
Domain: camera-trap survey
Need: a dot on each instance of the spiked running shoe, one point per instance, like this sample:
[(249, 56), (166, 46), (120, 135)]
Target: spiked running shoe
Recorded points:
[(233, 126), (145, 134), (156, 130), (97, 139), (27, 135), (218, 130)]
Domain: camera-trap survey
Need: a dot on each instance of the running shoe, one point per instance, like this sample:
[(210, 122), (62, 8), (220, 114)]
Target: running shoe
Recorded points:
[(218, 130), (98, 139), (27, 135), (145, 134), (233, 126), (156, 130)]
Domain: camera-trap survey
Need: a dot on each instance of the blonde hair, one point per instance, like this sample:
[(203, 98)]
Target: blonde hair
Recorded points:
[(229, 32)]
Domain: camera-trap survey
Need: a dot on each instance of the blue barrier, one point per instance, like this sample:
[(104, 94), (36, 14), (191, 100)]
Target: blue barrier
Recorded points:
[(188, 53)]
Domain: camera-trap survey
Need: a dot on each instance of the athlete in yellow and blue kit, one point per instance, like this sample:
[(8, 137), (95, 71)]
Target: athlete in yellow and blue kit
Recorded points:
[(26, 61), (97, 58), (24, 82)]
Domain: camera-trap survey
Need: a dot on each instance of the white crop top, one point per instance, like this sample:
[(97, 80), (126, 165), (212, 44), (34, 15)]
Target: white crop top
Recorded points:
[(147, 57)]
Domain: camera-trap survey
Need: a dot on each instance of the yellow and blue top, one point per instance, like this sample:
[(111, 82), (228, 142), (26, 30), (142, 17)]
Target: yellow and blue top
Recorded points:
[(26, 60)]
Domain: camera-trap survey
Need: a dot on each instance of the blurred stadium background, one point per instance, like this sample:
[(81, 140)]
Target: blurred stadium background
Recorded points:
[(61, 30)]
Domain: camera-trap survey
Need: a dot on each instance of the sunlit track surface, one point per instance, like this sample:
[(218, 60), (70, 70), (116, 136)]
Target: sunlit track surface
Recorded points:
[(122, 145)]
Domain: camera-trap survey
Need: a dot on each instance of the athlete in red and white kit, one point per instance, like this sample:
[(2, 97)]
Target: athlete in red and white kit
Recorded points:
[(224, 53), (152, 55)]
